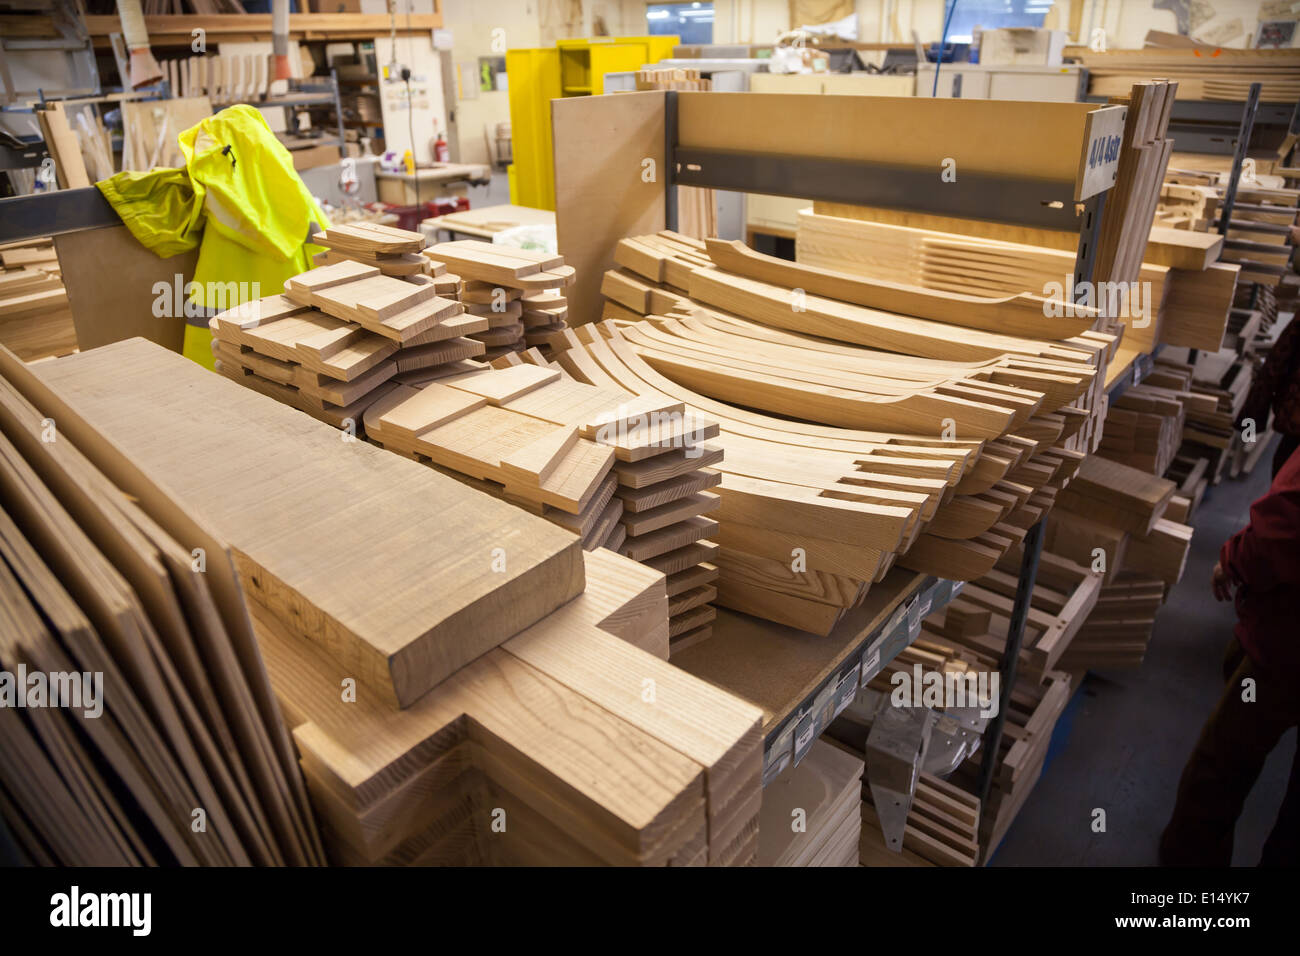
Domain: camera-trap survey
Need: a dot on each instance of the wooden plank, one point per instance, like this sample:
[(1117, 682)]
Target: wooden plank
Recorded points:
[(401, 640)]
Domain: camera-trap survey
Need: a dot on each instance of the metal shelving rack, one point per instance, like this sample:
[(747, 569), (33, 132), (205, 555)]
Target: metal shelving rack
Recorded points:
[(980, 195), (306, 93), (1227, 129)]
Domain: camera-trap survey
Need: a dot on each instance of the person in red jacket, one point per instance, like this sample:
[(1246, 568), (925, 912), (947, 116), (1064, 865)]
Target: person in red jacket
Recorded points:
[(1261, 702)]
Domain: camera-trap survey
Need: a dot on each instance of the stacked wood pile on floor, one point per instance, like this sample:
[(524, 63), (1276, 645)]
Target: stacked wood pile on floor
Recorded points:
[(812, 812), (937, 454), (621, 473), (342, 336), (1217, 74), (486, 714), (519, 292), (35, 319), (1127, 526), (697, 208), (131, 611)]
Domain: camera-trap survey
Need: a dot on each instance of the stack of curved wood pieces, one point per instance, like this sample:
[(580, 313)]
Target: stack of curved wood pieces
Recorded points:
[(619, 471), (445, 711), (519, 292), (341, 336), (937, 454)]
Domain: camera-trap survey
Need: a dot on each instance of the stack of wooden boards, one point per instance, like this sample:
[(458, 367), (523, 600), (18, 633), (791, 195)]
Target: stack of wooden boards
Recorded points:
[(1259, 231), (620, 472), (1220, 74), (160, 741), (1119, 522), (340, 337), (812, 812), (1218, 385), (523, 734), (394, 252), (968, 425), (519, 292), (35, 319), (1144, 427)]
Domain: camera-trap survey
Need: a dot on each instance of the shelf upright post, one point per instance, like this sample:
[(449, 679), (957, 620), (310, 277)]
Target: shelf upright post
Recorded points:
[(1239, 157), (338, 115), (670, 160), (1084, 263)]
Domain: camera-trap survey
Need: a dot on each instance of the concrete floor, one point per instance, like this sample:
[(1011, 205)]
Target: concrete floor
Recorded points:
[(1122, 743)]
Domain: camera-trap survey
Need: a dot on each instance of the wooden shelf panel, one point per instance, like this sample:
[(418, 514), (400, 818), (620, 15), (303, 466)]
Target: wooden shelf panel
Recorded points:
[(171, 29), (785, 671)]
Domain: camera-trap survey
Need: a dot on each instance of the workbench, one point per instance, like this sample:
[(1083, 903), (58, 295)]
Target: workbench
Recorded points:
[(399, 189), (484, 223)]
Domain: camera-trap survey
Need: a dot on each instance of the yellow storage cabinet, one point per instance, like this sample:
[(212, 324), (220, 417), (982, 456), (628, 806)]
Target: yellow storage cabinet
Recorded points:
[(570, 68)]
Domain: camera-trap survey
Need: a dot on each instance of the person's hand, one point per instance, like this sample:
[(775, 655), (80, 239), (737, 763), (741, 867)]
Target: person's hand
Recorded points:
[(1221, 583)]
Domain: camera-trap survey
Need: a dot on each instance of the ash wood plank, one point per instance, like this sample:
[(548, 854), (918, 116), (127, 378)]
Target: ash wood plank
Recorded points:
[(210, 438)]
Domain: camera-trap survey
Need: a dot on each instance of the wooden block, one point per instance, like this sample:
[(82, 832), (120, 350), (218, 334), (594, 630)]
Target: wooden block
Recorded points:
[(538, 461)]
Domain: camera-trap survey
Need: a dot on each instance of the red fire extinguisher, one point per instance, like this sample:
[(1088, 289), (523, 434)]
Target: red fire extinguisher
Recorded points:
[(441, 152)]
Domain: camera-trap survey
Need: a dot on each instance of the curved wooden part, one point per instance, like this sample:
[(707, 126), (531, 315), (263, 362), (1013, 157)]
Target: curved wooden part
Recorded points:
[(966, 516), (751, 455), (955, 560), (860, 562), (799, 510), (781, 307), (919, 461), (1060, 382), (1022, 314), (811, 601), (828, 404)]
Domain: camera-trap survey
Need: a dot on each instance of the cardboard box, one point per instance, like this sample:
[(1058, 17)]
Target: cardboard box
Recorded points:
[(1022, 46)]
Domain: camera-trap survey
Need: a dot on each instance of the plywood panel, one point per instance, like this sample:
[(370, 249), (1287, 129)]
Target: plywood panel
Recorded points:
[(601, 188)]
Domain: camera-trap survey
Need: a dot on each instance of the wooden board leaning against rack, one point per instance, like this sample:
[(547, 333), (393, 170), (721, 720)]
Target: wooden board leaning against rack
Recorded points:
[(547, 721)]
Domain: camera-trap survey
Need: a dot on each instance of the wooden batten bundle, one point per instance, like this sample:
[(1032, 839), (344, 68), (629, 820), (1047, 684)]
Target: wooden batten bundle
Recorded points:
[(519, 292)]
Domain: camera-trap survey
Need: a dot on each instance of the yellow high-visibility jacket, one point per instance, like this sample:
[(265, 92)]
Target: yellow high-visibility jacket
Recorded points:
[(239, 199)]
